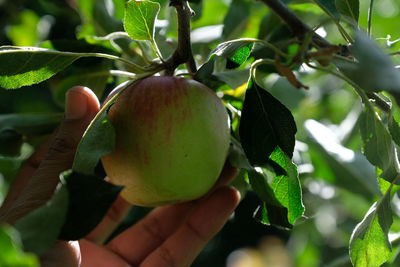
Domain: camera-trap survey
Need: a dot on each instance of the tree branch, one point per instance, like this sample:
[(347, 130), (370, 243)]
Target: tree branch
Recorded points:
[(183, 53), (297, 26)]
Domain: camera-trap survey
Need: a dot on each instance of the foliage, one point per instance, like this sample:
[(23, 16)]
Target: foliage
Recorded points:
[(314, 115)]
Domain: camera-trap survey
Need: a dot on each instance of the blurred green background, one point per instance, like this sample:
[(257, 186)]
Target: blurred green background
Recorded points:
[(328, 149)]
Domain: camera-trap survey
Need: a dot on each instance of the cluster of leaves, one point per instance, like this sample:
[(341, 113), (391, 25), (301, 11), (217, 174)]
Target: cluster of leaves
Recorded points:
[(253, 71)]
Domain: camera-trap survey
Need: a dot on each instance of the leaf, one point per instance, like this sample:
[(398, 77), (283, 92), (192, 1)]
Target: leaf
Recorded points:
[(378, 146), (205, 74), (373, 71), (236, 51), (90, 198), (352, 170), (286, 186), (11, 253), (139, 19), (271, 212), (30, 123), (349, 8), (264, 125), (369, 243), (40, 228), (394, 125), (329, 7), (21, 66), (97, 141), (236, 18), (10, 143)]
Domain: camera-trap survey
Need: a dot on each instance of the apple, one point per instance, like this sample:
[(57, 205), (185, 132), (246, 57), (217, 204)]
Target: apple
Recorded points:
[(172, 140)]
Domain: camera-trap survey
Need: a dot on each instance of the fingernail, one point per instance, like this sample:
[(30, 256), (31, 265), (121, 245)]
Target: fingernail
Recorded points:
[(76, 104)]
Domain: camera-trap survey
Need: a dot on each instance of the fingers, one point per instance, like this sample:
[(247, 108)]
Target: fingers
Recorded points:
[(138, 241), (207, 219), (81, 107), (174, 235), (99, 256), (62, 254)]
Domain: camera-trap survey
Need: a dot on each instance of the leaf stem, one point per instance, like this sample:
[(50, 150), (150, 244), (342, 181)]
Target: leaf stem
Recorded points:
[(370, 10)]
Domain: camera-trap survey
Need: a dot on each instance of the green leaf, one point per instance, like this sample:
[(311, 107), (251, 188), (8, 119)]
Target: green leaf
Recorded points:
[(271, 212), (90, 198), (369, 243), (265, 124), (378, 146), (236, 51), (21, 66), (11, 253), (97, 141), (373, 70), (139, 19), (349, 9), (286, 185), (40, 228)]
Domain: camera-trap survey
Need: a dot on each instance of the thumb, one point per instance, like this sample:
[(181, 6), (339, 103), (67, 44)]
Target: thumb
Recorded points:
[(81, 107)]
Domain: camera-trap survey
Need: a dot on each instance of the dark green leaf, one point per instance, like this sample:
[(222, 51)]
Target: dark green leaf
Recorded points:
[(369, 243), (139, 19), (394, 125), (205, 75), (40, 228), (373, 71), (98, 140), (329, 7), (236, 18), (25, 66), (378, 145), (286, 186), (349, 9), (265, 124), (30, 123), (237, 157), (10, 143), (90, 198)]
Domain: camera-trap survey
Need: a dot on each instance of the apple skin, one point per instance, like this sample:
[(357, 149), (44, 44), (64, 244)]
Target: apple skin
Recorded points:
[(172, 140)]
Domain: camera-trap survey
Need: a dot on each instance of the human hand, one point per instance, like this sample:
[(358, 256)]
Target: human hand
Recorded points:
[(168, 236)]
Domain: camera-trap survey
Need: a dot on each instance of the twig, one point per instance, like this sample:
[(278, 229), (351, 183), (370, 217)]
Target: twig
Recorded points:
[(297, 26), (183, 53)]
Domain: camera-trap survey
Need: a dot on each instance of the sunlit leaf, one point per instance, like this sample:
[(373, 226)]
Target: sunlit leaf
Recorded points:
[(139, 19), (286, 185), (20, 66), (11, 253), (271, 211), (369, 243)]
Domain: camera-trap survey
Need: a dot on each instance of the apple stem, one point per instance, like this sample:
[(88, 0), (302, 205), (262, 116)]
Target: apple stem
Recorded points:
[(183, 53)]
